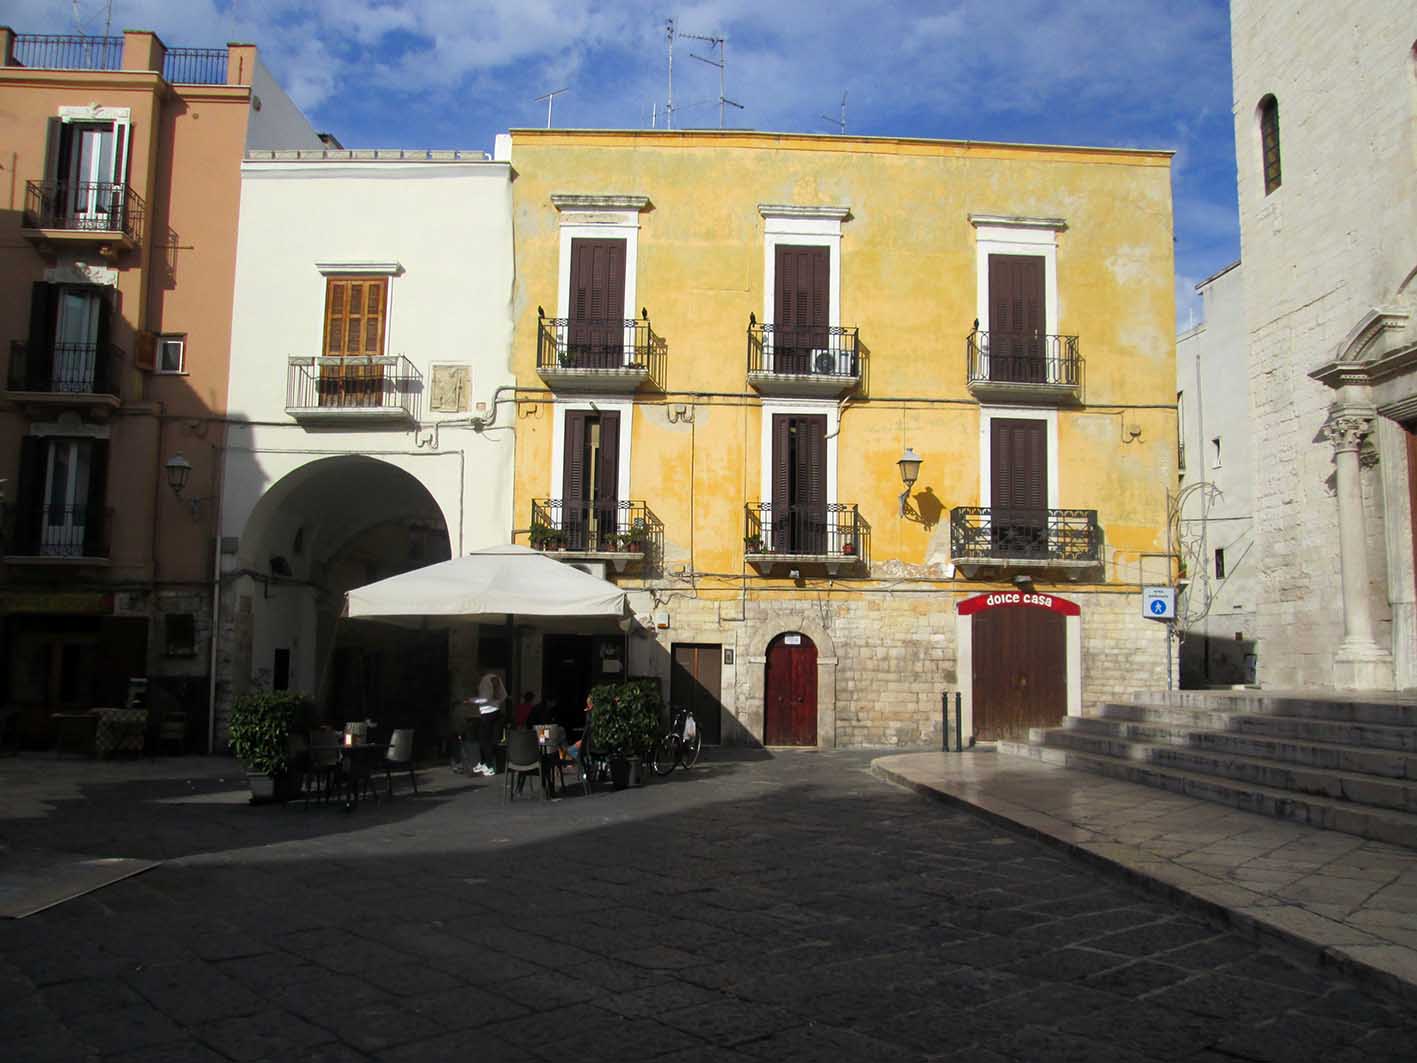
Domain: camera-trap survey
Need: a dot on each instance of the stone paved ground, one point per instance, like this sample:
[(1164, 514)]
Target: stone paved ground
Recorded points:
[(783, 908)]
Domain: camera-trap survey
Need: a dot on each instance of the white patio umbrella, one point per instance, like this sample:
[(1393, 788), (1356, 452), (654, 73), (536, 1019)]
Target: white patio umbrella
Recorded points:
[(488, 585)]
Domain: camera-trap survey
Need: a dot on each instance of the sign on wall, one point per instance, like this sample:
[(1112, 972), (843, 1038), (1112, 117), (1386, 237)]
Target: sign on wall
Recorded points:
[(1158, 603), (1012, 599)]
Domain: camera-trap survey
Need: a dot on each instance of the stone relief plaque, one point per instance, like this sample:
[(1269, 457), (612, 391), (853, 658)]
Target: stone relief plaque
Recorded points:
[(450, 389)]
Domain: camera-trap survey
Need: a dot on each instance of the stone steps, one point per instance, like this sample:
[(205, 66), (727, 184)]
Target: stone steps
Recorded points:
[(1344, 763)]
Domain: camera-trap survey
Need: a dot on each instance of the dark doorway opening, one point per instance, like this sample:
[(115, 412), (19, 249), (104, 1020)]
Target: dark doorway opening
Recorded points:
[(695, 684)]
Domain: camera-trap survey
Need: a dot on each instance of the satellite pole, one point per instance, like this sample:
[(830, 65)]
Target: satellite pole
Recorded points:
[(669, 107), (722, 63), (840, 123), (550, 98)]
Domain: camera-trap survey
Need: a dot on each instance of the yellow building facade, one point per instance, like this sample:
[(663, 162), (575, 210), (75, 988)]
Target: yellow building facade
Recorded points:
[(731, 346)]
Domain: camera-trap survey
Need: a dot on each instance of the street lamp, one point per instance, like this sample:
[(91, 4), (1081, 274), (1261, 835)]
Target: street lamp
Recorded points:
[(909, 465), (178, 470)]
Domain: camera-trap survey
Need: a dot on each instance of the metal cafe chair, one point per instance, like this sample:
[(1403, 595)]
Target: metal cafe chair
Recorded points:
[(399, 757), (523, 759)]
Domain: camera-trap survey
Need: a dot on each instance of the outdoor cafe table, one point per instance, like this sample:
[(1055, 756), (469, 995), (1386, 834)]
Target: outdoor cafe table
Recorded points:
[(358, 760)]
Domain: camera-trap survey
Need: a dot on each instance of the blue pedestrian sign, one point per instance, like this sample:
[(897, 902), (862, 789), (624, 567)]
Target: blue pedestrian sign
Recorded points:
[(1158, 603)]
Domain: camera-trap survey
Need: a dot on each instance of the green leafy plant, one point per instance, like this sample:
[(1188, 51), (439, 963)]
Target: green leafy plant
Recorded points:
[(752, 543), (625, 717), (540, 537), (260, 727)]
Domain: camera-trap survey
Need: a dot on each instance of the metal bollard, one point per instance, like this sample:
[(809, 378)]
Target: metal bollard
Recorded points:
[(959, 720), (945, 720)]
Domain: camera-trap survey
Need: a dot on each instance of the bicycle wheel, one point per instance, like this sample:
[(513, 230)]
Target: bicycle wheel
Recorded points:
[(666, 752), (689, 749)]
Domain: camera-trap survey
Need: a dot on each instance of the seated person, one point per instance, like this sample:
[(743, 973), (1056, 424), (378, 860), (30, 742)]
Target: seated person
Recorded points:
[(521, 715)]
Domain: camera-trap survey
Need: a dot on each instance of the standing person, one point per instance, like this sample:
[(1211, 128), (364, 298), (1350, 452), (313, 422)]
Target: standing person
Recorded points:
[(462, 726), (491, 700)]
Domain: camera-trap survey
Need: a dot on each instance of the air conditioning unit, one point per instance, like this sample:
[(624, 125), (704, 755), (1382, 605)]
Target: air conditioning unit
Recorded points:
[(823, 361), (590, 568)]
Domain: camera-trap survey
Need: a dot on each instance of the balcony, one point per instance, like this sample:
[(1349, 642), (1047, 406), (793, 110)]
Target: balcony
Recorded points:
[(46, 535), (834, 535), (1066, 539), (619, 533), (70, 375), (611, 355), (1015, 367), (369, 390), (90, 212), (808, 360)]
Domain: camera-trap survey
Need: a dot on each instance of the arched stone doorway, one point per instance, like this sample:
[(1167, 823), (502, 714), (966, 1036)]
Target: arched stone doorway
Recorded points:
[(790, 691), (323, 528)]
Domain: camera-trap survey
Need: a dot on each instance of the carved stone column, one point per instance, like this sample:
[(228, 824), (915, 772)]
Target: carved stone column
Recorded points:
[(1359, 663)]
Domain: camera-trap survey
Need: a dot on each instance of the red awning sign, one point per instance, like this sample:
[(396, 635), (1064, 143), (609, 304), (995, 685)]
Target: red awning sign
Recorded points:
[(1009, 599)]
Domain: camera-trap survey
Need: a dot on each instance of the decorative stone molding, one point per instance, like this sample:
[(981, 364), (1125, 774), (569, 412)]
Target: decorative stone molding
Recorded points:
[(583, 202), (1015, 221), (1346, 431), (789, 210), (335, 269)]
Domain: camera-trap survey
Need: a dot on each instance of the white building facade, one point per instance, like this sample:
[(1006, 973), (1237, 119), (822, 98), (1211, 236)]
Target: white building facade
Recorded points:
[(371, 327), (1215, 491), (1326, 151)]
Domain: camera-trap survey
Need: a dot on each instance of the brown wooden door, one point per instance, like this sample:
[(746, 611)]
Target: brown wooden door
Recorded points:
[(1016, 318), (1018, 485), (799, 484), (354, 328), (803, 309), (597, 312), (694, 684), (1020, 671), (590, 487), (790, 692)]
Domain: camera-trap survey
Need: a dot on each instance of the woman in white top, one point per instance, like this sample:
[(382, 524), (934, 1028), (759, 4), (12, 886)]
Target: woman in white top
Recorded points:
[(491, 700)]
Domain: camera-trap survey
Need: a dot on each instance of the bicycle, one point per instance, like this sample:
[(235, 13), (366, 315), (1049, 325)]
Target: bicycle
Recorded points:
[(680, 744)]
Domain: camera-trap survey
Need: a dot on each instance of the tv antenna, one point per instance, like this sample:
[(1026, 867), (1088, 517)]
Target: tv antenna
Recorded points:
[(722, 63), (550, 99), (669, 106), (840, 123), (81, 18)]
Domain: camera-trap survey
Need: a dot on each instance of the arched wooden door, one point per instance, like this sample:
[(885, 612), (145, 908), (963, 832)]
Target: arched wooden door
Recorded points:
[(1020, 671), (790, 692)]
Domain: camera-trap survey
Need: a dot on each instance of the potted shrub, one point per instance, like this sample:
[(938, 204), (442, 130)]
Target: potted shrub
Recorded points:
[(539, 538), (625, 721), (263, 730), (848, 548), (752, 544)]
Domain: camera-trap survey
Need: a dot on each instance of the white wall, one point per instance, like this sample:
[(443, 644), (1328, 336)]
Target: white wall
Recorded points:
[(1337, 238), (448, 225), (278, 123)]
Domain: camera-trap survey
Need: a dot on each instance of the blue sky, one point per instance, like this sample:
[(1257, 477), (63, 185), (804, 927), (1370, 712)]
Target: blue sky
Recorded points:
[(453, 73)]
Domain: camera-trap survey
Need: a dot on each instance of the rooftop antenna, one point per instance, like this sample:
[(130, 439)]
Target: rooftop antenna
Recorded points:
[(669, 107), (722, 63), (550, 99), (840, 123), (80, 18)]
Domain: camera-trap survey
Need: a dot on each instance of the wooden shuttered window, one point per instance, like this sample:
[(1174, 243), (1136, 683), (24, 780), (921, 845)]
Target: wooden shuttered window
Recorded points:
[(802, 306), (590, 488), (597, 310), (1269, 143), (799, 483), (356, 310), (96, 516), (1017, 319), (1018, 457)]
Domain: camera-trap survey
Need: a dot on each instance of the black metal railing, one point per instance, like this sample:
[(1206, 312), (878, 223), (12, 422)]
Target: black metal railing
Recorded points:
[(66, 368), (617, 345), (620, 527), (982, 533), (195, 66), (355, 383), (802, 350), (56, 531), (40, 51), (84, 206), (1024, 358), (836, 530)]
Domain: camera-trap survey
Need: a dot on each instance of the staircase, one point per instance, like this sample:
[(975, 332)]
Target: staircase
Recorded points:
[(1343, 763)]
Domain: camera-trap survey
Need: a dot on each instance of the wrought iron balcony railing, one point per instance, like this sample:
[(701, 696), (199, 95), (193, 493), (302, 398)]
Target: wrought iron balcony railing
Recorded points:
[(44, 51), (84, 206), (195, 66), (836, 531), (355, 386), (56, 531), (805, 351), (1021, 358), (613, 348), (995, 535), (65, 368), (621, 527)]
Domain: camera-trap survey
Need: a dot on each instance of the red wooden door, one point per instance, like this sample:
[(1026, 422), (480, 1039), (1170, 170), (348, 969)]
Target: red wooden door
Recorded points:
[(1016, 321), (790, 692), (1020, 671), (802, 312)]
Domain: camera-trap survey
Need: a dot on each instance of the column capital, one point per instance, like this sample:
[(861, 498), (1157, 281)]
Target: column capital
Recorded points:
[(1347, 429)]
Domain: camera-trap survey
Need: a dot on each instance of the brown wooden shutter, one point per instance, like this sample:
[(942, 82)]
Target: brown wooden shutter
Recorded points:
[(1018, 464), (1269, 143), (781, 456), (573, 471), (29, 497), (803, 306), (597, 309), (53, 150), (145, 349), (608, 475), (812, 483), (39, 353), (355, 310), (95, 517)]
